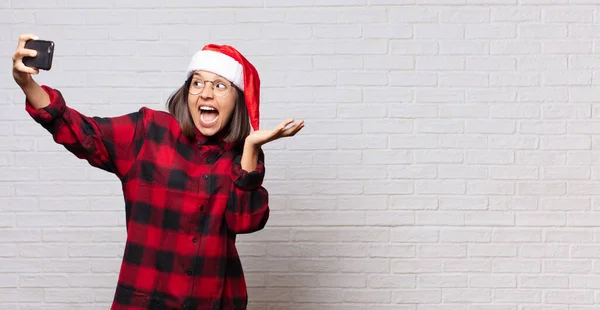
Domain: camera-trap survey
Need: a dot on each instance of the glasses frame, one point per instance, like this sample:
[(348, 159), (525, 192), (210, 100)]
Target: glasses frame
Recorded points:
[(189, 87)]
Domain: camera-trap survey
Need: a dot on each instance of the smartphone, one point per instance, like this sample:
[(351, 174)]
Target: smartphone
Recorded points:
[(45, 53)]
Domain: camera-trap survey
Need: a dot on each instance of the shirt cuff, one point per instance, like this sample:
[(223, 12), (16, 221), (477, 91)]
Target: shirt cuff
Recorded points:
[(245, 180), (52, 111)]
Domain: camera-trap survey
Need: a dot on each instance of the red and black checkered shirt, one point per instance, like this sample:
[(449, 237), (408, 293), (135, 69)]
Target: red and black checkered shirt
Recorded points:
[(185, 201)]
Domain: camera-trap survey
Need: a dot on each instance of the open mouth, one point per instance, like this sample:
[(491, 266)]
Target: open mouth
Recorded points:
[(208, 115)]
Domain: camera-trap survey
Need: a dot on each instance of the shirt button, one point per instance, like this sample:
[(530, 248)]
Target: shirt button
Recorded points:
[(195, 240), (209, 161), (185, 304), (189, 272), (205, 177), (201, 208)]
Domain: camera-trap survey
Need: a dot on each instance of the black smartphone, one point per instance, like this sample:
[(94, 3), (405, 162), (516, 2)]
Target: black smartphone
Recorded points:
[(45, 53)]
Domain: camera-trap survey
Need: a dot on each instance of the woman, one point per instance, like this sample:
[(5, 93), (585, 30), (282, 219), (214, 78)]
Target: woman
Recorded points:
[(191, 178)]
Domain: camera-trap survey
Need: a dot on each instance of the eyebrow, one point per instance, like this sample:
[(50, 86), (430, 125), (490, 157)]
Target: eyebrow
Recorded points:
[(217, 78)]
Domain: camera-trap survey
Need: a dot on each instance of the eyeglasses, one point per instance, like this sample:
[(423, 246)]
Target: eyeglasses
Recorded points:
[(219, 88)]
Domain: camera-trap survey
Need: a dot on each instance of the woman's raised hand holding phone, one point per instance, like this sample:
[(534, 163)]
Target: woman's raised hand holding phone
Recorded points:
[(22, 73), (37, 97)]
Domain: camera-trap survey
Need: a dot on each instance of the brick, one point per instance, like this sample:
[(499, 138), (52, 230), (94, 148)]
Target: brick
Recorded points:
[(417, 266), (440, 218), (367, 296), (496, 250), (439, 126), (517, 235), (418, 234), (572, 15), (469, 295), (9, 280), (417, 296), (413, 15), (531, 281), (391, 251), (520, 14), (413, 141), (490, 31), (416, 47), (325, 235), (461, 16), (519, 265), (559, 266), (442, 281), (362, 202), (342, 250), (379, 218), (385, 31), (69, 295), (440, 187), (514, 47), (374, 62), (551, 158), (22, 296), (442, 251), (571, 297), (411, 172), (319, 218), (517, 296), (346, 280), (463, 47), (391, 282), (572, 142), (438, 156), (565, 204)]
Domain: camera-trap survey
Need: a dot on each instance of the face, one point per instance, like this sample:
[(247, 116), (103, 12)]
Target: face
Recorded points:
[(211, 101)]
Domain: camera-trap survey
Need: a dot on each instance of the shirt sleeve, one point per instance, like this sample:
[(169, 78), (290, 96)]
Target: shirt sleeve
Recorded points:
[(108, 143), (248, 203)]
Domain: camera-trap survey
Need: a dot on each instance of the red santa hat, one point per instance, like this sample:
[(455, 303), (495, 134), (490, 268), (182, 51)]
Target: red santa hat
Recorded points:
[(229, 63)]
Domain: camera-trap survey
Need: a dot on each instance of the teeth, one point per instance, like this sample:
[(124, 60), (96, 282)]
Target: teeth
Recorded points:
[(207, 109)]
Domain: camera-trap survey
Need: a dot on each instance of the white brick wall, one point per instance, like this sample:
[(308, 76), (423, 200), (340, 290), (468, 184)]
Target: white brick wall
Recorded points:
[(448, 160)]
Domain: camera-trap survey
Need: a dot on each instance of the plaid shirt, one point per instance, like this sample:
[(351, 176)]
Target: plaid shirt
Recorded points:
[(185, 201)]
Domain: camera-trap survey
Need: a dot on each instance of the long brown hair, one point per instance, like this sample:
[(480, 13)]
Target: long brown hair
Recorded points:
[(235, 131)]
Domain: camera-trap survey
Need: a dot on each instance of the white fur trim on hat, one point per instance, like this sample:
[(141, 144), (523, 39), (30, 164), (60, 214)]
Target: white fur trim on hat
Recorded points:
[(218, 63)]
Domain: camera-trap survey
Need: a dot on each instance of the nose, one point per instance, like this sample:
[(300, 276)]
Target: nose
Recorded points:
[(207, 91)]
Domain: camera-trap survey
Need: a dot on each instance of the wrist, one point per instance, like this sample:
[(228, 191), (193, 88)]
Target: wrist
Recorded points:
[(251, 146), (24, 83), (249, 159), (27, 84)]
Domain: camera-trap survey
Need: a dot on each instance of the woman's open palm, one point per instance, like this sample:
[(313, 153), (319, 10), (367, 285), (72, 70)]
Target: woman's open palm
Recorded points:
[(263, 136)]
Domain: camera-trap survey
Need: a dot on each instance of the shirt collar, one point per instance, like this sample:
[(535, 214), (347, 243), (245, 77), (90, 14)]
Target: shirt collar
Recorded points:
[(218, 140)]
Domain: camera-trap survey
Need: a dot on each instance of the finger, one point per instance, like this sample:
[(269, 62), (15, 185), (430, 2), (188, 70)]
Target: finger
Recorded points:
[(293, 130), (26, 52), (23, 68), (297, 129), (293, 133), (22, 52), (26, 37), (284, 124)]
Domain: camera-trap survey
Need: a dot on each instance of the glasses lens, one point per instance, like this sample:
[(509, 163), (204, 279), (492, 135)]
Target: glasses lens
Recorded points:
[(219, 88), (196, 87)]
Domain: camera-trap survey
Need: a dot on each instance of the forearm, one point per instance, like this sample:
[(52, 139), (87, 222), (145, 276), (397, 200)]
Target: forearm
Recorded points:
[(247, 211), (86, 137), (250, 157), (248, 203), (36, 96)]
